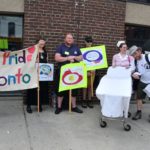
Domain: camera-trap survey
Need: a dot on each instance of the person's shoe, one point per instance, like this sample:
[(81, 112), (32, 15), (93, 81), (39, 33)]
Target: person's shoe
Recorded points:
[(149, 118), (28, 109), (41, 109), (89, 104), (83, 104), (143, 102), (58, 111), (77, 110), (138, 115)]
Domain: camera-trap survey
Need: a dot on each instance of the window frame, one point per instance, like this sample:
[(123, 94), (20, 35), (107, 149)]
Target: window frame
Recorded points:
[(138, 2), (129, 40), (15, 39)]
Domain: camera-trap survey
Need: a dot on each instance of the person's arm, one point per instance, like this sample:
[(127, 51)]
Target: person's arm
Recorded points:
[(58, 55), (136, 75), (59, 58), (46, 57), (132, 63), (114, 61), (149, 58), (78, 58)]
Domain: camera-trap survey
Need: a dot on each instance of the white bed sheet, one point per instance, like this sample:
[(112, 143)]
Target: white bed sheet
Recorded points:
[(114, 93)]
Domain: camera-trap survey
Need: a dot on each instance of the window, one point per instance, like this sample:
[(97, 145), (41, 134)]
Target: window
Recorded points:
[(11, 30), (137, 35)]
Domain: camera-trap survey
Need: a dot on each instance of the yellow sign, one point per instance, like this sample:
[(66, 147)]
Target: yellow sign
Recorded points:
[(73, 76), (95, 57)]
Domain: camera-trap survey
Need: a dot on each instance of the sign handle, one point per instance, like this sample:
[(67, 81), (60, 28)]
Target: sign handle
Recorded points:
[(38, 89), (92, 94), (70, 100)]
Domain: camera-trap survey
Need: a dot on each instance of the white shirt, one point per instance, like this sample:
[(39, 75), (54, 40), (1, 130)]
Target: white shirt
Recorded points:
[(144, 69)]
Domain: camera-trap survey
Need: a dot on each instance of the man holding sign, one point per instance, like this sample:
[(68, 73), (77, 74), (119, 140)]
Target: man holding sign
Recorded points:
[(67, 53)]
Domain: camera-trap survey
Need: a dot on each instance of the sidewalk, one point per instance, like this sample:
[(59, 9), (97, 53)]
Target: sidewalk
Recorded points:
[(47, 131)]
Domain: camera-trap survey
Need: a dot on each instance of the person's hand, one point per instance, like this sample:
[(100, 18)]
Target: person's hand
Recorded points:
[(113, 66), (127, 67), (89, 74), (71, 58), (136, 75)]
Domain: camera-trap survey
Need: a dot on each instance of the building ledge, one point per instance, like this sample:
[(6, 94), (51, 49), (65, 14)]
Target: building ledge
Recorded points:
[(137, 14)]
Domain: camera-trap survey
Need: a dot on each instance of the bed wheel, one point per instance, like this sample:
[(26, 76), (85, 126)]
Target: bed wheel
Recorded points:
[(103, 124), (127, 127)]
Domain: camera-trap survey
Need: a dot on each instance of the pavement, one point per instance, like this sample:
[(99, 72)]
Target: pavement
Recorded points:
[(68, 131)]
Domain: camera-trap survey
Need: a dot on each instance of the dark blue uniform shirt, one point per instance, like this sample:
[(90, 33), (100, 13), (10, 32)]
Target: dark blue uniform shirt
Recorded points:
[(66, 51)]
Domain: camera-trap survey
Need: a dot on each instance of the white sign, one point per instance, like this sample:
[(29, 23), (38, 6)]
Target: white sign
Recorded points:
[(147, 90), (18, 70), (46, 72)]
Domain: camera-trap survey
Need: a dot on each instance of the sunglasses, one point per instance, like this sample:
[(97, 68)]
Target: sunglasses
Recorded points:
[(89, 41)]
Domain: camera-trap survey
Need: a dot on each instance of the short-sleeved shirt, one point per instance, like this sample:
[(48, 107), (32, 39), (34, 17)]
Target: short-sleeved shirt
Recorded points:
[(118, 60), (66, 51), (144, 69), (125, 61)]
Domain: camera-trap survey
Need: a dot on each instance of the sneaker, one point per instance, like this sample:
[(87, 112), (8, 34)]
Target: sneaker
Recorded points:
[(77, 110), (149, 118), (58, 111), (138, 115), (89, 104), (28, 109), (83, 104)]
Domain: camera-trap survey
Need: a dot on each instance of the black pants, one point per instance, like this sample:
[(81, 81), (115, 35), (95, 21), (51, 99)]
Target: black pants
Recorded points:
[(32, 94), (63, 93), (135, 84)]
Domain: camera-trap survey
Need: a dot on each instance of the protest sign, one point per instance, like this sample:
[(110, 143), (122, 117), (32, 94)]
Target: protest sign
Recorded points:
[(73, 76), (95, 57), (18, 71)]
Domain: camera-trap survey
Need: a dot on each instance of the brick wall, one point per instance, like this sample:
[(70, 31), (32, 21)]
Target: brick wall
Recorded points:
[(103, 19)]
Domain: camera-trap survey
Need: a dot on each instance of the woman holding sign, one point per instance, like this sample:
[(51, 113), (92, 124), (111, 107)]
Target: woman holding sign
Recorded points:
[(87, 93), (43, 85)]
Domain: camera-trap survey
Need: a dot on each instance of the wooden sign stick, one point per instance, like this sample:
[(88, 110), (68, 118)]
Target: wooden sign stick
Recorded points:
[(38, 89), (70, 100), (92, 84)]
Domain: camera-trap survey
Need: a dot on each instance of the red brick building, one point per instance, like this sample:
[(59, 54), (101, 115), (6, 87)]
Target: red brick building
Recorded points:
[(107, 21), (103, 20)]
